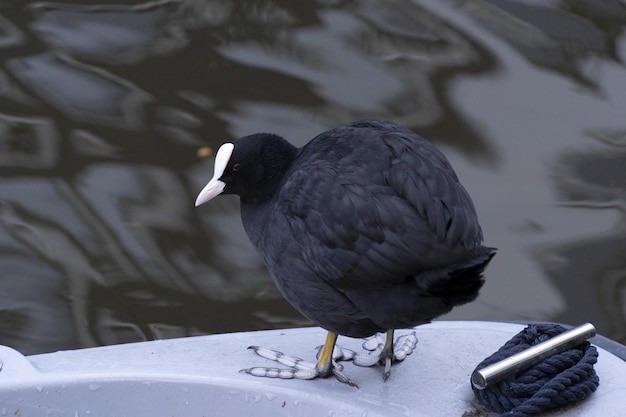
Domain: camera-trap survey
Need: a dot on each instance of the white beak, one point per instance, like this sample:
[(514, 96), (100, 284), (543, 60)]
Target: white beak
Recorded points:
[(212, 189), (215, 186)]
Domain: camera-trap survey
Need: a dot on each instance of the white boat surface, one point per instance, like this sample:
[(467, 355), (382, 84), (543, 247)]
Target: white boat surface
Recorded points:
[(199, 376)]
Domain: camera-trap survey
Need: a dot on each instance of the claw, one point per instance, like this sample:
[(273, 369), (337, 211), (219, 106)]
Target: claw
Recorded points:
[(404, 346), (297, 368), (342, 378), (384, 351), (276, 356), (289, 373), (387, 369)]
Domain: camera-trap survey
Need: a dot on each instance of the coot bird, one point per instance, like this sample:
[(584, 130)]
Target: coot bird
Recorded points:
[(365, 229)]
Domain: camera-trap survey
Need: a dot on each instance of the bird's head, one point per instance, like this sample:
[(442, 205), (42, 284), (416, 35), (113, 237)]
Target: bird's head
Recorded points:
[(251, 168)]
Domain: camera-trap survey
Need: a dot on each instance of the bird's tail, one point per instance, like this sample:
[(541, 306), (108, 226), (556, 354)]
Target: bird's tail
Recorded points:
[(463, 281)]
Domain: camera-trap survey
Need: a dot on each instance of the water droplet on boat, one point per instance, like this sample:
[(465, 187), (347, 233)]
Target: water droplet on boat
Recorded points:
[(39, 388), (253, 398), (94, 387), (3, 411), (270, 396)]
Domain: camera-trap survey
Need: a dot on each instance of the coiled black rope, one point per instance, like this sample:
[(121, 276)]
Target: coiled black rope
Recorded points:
[(558, 381)]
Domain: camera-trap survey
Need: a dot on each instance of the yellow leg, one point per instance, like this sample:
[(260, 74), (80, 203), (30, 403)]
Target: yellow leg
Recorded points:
[(386, 356), (324, 366), (388, 346), (325, 362)]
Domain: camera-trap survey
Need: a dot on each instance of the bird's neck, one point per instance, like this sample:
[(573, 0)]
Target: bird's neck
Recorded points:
[(277, 162), (255, 219)]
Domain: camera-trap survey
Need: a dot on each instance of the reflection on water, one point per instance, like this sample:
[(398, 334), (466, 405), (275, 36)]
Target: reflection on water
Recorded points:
[(591, 271), (104, 108)]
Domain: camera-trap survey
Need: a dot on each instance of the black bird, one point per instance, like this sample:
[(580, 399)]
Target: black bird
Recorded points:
[(365, 229)]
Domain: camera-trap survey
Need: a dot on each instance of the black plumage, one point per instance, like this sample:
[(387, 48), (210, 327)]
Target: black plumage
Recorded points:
[(364, 229)]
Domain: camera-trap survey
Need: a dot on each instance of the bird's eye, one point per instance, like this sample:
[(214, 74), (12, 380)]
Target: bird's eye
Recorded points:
[(236, 167)]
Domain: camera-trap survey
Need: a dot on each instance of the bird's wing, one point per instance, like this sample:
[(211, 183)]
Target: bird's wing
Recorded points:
[(422, 175), (370, 216)]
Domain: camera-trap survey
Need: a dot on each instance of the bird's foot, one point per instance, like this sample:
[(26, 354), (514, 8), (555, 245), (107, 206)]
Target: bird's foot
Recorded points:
[(378, 353), (297, 368)]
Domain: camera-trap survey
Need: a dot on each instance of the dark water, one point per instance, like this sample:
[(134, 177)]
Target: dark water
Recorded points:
[(107, 114)]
